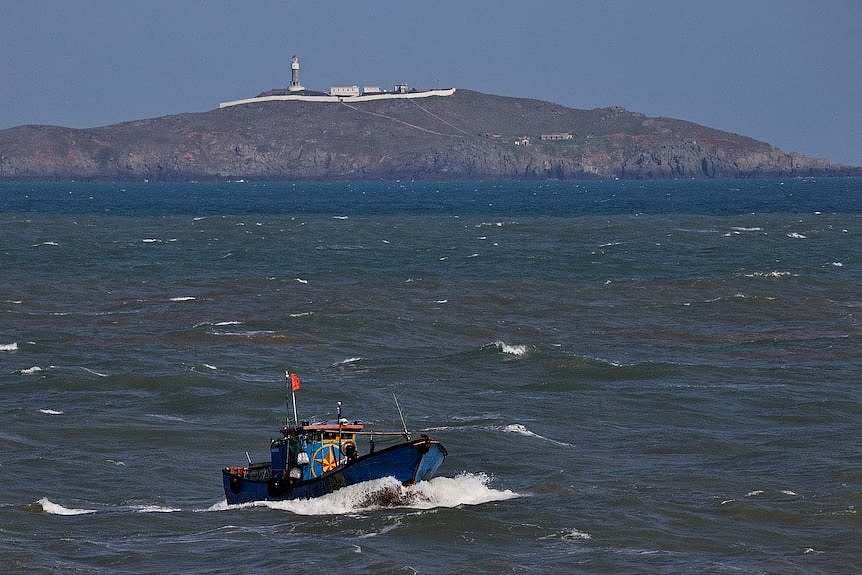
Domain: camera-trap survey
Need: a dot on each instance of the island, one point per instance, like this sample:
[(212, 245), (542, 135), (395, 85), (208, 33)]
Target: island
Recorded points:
[(360, 134)]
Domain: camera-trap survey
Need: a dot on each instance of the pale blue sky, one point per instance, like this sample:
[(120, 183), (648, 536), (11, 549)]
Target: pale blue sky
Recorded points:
[(787, 72)]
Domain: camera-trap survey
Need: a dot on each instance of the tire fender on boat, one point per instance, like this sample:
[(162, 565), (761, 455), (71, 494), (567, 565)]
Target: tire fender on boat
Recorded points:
[(234, 483), (275, 487)]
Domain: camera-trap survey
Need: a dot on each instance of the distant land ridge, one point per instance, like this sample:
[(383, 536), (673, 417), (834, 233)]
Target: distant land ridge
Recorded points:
[(464, 135)]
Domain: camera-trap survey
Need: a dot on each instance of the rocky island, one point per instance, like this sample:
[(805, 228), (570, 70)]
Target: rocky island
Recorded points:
[(462, 135)]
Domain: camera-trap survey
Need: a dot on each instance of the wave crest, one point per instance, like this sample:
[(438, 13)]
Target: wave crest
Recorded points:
[(516, 350), (49, 506)]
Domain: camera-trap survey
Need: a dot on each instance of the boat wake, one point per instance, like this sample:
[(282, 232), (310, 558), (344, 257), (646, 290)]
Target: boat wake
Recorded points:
[(447, 492)]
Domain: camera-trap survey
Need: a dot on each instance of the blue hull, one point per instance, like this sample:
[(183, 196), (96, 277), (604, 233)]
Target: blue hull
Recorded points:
[(407, 462)]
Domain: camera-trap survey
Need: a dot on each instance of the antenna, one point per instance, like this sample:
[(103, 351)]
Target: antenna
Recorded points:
[(403, 423)]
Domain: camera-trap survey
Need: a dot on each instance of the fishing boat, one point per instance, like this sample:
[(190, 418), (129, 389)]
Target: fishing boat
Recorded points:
[(313, 459)]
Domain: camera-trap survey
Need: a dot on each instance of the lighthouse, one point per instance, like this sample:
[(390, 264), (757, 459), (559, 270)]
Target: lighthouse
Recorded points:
[(295, 86)]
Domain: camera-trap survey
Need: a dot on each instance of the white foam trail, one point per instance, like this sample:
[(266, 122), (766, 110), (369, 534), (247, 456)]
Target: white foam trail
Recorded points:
[(154, 509), (347, 361), (45, 244), (754, 493), (228, 323), (521, 430), (30, 370), (88, 370), (208, 366), (741, 229), (796, 236), (302, 281), (183, 298), (340, 217), (9, 346), (55, 509), (168, 417), (151, 241), (50, 412), (302, 314)]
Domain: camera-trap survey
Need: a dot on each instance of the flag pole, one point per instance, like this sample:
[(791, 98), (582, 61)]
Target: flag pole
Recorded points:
[(294, 385), (286, 406)]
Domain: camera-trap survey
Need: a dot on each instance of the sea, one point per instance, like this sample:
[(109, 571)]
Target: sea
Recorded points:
[(628, 376)]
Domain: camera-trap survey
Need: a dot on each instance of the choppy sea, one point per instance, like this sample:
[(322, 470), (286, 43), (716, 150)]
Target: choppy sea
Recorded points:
[(629, 377)]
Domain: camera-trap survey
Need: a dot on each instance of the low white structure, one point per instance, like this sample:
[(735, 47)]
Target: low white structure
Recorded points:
[(367, 98), (344, 91), (336, 93), (556, 137)]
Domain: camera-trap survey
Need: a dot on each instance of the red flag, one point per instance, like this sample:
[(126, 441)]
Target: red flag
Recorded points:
[(294, 382)]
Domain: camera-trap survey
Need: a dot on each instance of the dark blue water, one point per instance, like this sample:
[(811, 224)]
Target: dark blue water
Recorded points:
[(655, 377)]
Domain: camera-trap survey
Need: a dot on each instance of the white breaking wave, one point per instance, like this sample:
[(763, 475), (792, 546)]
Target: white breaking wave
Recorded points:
[(347, 361), (569, 535), (49, 506), (55, 509), (772, 274), (463, 489), (50, 412), (29, 370), (517, 350), (796, 236), (183, 298), (9, 346)]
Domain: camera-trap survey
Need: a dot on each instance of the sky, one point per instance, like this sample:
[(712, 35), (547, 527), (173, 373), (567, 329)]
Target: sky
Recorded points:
[(787, 72)]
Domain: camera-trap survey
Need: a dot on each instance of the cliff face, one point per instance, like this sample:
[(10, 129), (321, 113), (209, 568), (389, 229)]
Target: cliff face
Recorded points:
[(464, 136)]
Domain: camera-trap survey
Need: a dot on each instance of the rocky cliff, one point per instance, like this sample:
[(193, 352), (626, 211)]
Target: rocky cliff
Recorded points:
[(464, 136)]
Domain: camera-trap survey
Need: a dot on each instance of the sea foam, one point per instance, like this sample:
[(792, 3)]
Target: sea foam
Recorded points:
[(49, 506), (9, 346), (516, 350), (448, 492)]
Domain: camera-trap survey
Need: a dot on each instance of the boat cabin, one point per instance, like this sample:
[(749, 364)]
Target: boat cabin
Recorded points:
[(310, 450)]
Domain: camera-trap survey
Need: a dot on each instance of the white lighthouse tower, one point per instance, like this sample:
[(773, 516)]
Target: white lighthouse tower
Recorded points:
[(295, 86)]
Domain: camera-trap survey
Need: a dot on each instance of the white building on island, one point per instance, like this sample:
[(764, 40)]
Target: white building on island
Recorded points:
[(297, 92)]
